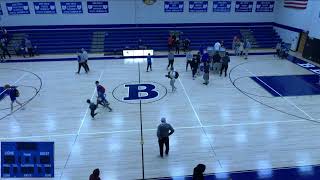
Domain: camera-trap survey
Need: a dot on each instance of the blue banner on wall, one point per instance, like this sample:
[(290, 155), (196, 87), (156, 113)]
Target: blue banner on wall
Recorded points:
[(173, 6), (264, 6), (98, 7), (1, 12), (45, 7), (221, 6), (244, 6), (71, 7), (198, 6), (27, 159), (18, 8)]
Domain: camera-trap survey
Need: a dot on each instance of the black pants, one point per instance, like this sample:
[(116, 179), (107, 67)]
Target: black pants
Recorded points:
[(225, 68), (185, 48), (82, 65), (93, 113), (87, 66), (170, 64), (20, 52), (30, 51), (177, 49), (4, 52), (149, 65), (278, 52), (188, 63), (169, 47), (164, 141), (194, 71)]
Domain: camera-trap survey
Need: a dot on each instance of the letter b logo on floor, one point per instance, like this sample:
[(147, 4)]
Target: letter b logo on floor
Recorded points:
[(133, 92), (141, 91)]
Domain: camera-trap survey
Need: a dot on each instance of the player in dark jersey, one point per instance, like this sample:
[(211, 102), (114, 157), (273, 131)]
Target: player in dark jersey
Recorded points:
[(101, 91), (92, 108), (12, 92), (4, 91)]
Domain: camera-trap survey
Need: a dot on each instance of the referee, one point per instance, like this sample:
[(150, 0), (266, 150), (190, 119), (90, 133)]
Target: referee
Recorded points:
[(163, 133)]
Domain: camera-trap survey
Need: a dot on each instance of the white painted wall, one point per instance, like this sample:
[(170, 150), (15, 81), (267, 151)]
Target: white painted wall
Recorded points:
[(289, 37), (307, 20), (129, 12), (293, 17), (314, 27), (146, 14), (121, 12)]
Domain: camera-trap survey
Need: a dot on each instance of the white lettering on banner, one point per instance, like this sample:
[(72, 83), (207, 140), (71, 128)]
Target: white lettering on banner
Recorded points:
[(317, 71), (306, 65)]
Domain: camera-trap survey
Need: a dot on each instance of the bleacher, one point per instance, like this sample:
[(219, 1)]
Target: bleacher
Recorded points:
[(59, 41), (116, 39), (265, 37)]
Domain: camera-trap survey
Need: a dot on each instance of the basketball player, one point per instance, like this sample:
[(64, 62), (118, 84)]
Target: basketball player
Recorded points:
[(247, 47), (11, 91), (189, 57), (149, 61), (3, 91), (92, 108), (194, 66), (101, 91), (225, 63), (206, 68), (170, 59), (172, 75)]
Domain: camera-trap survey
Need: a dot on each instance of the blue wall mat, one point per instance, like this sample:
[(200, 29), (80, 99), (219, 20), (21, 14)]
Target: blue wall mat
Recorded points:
[(293, 173), (291, 85)]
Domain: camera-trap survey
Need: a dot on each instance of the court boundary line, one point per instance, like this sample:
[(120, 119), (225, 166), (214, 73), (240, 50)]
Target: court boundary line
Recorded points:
[(19, 79), (94, 92), (141, 128), (239, 171), (153, 129), (201, 125), (286, 99), (26, 72), (262, 103), (28, 60), (78, 132)]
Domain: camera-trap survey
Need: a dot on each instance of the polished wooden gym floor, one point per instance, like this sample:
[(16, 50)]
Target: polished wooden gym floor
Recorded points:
[(232, 124)]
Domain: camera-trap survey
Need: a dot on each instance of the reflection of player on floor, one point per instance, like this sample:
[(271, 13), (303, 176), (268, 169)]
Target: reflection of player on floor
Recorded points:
[(101, 91), (11, 91), (92, 108)]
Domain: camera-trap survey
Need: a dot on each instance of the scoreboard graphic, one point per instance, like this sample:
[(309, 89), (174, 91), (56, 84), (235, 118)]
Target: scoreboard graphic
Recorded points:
[(27, 159)]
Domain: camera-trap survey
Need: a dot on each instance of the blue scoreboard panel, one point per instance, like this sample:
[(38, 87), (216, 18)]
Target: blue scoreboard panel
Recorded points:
[(27, 159)]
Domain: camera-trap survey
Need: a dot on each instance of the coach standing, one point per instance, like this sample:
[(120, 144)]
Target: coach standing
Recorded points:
[(163, 133), (81, 63), (85, 57)]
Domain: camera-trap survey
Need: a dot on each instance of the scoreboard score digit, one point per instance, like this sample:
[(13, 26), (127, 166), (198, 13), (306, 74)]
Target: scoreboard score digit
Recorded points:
[(27, 159)]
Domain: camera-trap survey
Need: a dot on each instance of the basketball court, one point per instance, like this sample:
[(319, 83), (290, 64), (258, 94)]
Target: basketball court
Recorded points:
[(263, 115)]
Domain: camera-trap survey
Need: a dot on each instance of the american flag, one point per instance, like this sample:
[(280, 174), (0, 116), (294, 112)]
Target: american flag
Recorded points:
[(296, 4)]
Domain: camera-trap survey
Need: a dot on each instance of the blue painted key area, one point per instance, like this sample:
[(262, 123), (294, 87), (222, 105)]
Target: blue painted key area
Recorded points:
[(290, 85)]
